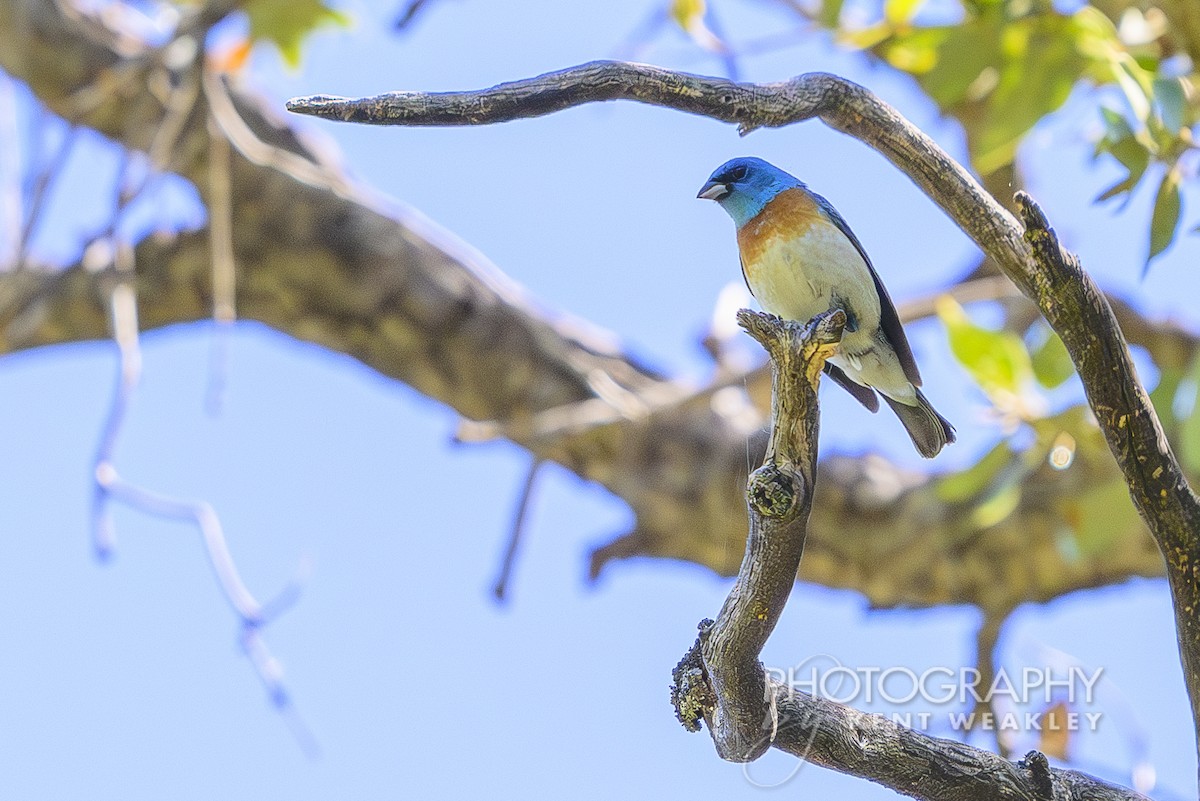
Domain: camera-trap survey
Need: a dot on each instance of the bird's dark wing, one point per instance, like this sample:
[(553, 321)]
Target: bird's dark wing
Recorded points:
[(864, 395), (889, 321)]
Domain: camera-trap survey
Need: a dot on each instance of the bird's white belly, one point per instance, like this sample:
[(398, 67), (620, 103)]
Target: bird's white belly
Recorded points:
[(798, 278)]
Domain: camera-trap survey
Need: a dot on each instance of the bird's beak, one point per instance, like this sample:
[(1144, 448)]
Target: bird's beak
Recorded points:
[(713, 190)]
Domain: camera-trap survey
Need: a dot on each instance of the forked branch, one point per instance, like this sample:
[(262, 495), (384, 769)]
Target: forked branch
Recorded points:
[(1029, 255), (721, 681)]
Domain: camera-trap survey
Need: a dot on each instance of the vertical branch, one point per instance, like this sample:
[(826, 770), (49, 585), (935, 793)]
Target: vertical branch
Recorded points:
[(224, 267), (110, 486), (39, 190), (779, 495), (1082, 317), (123, 320), (985, 662), (721, 681)]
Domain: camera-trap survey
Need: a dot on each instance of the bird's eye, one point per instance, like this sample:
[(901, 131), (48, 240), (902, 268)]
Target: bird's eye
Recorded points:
[(737, 173)]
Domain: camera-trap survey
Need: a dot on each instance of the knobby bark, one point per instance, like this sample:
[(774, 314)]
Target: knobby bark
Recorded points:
[(721, 681), (780, 495), (1029, 255)]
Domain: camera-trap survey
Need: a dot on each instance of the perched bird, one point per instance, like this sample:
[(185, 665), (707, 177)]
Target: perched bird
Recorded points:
[(800, 258)]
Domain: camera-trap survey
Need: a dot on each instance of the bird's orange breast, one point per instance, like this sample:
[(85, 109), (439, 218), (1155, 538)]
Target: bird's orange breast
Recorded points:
[(789, 214)]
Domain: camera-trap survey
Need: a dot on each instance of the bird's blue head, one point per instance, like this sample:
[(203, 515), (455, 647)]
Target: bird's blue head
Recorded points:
[(743, 186)]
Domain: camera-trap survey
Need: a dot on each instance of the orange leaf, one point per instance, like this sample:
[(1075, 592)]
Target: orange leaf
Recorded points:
[(1056, 737), (231, 59)]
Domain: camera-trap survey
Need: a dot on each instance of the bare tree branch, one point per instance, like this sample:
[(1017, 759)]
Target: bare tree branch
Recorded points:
[(721, 680), (1030, 257), (39, 192), (224, 263), (840, 104), (779, 495), (1078, 312)]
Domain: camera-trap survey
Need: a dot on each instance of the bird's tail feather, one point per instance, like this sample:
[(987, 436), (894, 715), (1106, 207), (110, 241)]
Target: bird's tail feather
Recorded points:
[(930, 432)]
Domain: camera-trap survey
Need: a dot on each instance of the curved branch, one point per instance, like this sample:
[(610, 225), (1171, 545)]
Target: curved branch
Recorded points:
[(1030, 256), (1081, 316), (842, 105)]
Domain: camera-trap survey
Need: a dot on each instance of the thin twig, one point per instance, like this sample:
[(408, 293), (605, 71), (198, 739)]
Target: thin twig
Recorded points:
[(409, 14), (39, 192), (110, 486), (11, 193), (257, 150), (500, 589), (986, 638), (123, 310), (638, 39), (729, 56)]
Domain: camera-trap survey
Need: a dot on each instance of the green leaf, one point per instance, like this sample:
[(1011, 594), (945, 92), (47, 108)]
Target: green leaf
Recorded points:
[(992, 487), (1189, 442), (1126, 147), (916, 52), (1126, 184), (963, 54), (1171, 103), (1052, 364), (1136, 85), (1189, 428), (997, 360), (687, 13), (1132, 154), (946, 59), (1136, 159), (1163, 398), (287, 23), (1101, 516), (831, 14), (901, 12), (1008, 65), (970, 483), (1164, 222), (999, 506), (1041, 65), (1115, 122)]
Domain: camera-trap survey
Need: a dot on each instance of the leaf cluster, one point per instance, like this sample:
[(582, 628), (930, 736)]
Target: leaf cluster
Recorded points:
[(1005, 65)]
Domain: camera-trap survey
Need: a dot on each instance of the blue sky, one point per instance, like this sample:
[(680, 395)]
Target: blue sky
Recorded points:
[(124, 680)]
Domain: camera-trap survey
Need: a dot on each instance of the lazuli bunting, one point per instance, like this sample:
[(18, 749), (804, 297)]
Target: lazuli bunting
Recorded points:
[(800, 258)]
